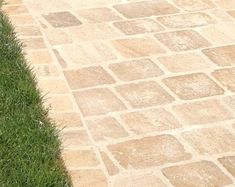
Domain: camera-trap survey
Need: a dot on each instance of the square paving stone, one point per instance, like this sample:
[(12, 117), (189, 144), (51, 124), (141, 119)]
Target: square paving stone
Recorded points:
[(182, 40), (62, 19)]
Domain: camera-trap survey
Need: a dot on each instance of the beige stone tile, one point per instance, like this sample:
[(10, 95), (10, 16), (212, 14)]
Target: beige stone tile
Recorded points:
[(106, 128), (74, 139), (193, 86), (222, 56), (79, 158), (33, 43), (144, 94), (61, 103), (219, 34), (111, 168), (39, 57), (221, 15), (45, 6), (229, 163), (57, 36), (194, 5), (45, 71), (98, 101), (230, 101), (182, 40), (184, 62), (65, 120), (148, 152), (186, 20), (15, 9), (196, 174), (88, 53), (12, 2), (232, 13), (89, 32), (97, 15), (136, 69), (226, 77), (137, 47), (88, 77), (62, 19), (138, 26), (89, 178), (138, 180), (211, 140), (150, 121), (26, 31), (151, 8), (200, 112), (53, 86), (226, 4), (22, 20)]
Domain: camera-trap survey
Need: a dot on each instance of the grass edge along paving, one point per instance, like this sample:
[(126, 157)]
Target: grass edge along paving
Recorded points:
[(29, 142)]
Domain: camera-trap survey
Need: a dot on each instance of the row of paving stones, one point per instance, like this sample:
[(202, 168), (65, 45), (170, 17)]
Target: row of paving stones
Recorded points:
[(142, 89)]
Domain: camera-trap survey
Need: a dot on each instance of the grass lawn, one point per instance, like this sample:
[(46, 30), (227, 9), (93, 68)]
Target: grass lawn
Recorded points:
[(29, 145)]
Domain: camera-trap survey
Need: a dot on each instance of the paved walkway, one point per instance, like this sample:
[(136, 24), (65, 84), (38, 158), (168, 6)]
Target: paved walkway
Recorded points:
[(144, 90)]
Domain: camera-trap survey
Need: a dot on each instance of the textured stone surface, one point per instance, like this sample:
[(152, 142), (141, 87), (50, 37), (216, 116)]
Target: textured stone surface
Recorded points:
[(197, 174), (157, 150), (182, 40), (140, 91)]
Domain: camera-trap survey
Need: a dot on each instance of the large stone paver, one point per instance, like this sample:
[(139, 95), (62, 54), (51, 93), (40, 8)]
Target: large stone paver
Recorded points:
[(143, 90)]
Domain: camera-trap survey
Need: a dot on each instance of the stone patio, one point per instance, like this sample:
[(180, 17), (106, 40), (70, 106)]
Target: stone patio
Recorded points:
[(143, 90)]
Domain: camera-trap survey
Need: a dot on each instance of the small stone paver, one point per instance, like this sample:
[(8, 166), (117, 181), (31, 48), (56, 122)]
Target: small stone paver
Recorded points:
[(142, 92)]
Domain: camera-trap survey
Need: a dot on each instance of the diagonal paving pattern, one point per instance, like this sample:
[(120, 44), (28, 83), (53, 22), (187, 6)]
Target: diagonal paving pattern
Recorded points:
[(143, 89)]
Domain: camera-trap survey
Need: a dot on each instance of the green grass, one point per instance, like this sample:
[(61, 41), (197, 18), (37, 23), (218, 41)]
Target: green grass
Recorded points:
[(29, 144)]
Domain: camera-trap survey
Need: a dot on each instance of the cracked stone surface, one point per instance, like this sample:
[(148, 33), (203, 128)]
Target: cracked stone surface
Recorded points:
[(143, 90)]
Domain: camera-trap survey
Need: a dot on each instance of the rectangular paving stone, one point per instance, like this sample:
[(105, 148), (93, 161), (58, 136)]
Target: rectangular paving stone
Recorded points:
[(226, 4), (229, 163), (138, 26), (62, 19), (150, 121), (230, 101), (88, 53), (33, 43), (209, 141), (39, 57), (196, 174), (98, 101), (148, 152), (88, 77), (222, 56), (53, 86), (186, 20), (182, 40), (145, 8), (144, 94), (135, 69), (137, 47), (24, 19), (106, 128), (57, 36), (139, 180), (232, 13), (75, 139), (194, 5), (89, 178), (184, 62), (97, 15), (26, 31), (92, 32), (200, 112), (15, 9), (66, 120), (79, 158), (193, 86), (226, 77)]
